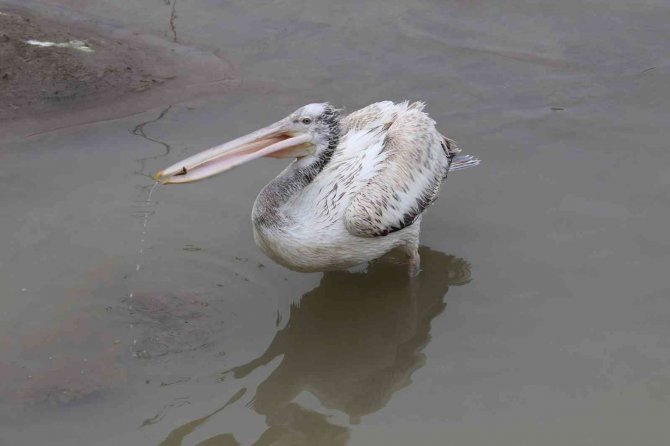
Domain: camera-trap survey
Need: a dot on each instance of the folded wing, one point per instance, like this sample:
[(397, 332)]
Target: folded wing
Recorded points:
[(415, 159)]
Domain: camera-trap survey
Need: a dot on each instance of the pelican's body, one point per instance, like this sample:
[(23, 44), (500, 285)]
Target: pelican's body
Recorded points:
[(356, 190)]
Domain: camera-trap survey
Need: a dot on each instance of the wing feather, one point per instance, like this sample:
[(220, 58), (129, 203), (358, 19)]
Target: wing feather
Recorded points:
[(416, 160)]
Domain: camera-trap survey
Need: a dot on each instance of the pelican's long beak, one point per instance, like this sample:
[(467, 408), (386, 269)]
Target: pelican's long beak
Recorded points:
[(274, 141)]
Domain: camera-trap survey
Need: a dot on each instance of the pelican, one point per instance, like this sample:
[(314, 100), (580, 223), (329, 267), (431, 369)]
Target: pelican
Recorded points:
[(356, 189)]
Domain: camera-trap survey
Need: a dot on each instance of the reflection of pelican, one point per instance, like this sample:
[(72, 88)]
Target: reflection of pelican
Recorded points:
[(352, 342), (356, 190)]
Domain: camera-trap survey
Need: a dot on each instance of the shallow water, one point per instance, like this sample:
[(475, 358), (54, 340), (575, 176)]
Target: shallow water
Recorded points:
[(542, 313)]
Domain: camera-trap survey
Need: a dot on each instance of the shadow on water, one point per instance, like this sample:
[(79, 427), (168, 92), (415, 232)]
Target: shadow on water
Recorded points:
[(351, 342)]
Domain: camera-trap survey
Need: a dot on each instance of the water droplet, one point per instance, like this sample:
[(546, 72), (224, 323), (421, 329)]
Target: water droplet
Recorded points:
[(147, 213)]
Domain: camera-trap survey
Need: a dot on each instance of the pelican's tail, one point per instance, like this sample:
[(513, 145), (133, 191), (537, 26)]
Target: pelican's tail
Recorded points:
[(461, 162), (458, 160)]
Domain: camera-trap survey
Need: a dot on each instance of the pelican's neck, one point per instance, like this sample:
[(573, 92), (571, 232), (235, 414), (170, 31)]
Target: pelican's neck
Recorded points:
[(269, 207)]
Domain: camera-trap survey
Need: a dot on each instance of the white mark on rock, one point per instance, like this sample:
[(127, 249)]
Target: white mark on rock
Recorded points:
[(74, 44)]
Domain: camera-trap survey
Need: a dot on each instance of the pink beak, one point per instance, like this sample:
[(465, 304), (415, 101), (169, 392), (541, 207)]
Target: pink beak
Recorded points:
[(272, 141)]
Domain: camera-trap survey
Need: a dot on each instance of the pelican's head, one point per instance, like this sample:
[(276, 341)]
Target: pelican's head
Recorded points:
[(310, 133)]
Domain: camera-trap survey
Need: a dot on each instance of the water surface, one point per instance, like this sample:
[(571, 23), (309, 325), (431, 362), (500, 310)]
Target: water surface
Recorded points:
[(542, 313)]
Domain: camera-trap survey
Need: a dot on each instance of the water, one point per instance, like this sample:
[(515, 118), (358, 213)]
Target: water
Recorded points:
[(148, 205), (542, 313)]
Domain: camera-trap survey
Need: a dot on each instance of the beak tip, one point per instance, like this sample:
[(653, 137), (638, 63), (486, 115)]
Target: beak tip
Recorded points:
[(158, 176)]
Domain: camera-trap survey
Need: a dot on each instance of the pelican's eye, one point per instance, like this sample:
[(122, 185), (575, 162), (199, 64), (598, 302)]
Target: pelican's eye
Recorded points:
[(307, 121)]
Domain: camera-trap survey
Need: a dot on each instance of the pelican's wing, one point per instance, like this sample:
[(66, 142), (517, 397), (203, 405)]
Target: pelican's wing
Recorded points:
[(370, 117), (413, 161)]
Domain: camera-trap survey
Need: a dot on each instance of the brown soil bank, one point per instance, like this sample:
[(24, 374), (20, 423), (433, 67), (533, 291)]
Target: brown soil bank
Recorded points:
[(57, 74)]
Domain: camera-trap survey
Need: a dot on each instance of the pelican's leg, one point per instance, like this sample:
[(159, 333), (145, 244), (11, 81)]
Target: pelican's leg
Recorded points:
[(414, 263), (411, 247)]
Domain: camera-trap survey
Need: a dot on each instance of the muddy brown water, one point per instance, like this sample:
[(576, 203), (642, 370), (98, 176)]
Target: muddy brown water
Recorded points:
[(541, 317)]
